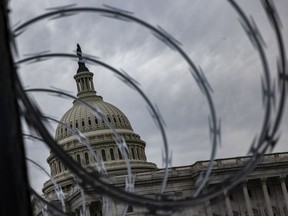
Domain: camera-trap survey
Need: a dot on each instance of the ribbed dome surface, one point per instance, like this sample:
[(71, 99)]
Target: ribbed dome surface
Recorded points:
[(82, 118)]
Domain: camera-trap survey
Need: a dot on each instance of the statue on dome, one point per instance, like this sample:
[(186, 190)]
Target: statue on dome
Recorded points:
[(79, 51), (81, 62)]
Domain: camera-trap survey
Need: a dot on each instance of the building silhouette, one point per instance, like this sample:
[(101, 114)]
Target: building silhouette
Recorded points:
[(263, 192)]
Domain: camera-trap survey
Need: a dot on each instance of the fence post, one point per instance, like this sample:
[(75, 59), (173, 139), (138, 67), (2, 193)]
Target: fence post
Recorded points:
[(15, 199)]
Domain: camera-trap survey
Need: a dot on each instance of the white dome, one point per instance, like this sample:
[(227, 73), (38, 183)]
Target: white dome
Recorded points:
[(81, 117)]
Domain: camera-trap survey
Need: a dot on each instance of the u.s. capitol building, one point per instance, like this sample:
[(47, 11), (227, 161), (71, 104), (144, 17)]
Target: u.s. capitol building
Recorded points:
[(264, 191)]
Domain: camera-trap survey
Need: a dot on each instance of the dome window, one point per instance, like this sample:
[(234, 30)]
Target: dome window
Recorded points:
[(59, 165), (76, 124), (87, 83), (55, 168), (96, 121), (78, 158), (114, 119), (83, 83), (138, 153), (89, 122), (112, 154), (119, 119), (86, 158), (96, 155), (103, 155), (133, 153), (120, 155), (83, 123), (109, 119), (130, 209)]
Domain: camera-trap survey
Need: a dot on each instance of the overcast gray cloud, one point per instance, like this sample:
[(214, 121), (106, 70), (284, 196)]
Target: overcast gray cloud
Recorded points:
[(210, 34)]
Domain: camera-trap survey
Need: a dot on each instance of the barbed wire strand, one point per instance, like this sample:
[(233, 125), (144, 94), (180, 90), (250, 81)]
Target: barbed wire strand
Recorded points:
[(169, 41)]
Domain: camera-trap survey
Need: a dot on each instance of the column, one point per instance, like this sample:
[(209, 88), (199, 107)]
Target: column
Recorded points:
[(92, 84), (82, 84), (208, 209), (284, 189), (87, 209), (228, 205), (266, 196), (247, 199), (78, 85), (87, 83), (77, 212)]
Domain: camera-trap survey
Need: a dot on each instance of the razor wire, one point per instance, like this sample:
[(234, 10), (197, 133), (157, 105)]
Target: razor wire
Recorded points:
[(97, 112), (58, 189), (268, 134), (161, 34), (45, 203), (62, 93)]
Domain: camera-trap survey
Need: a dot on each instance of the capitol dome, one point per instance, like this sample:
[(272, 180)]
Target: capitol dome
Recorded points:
[(98, 133), (81, 117)]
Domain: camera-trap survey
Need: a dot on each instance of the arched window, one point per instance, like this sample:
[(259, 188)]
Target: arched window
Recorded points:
[(133, 153), (130, 209), (83, 123), (109, 119), (83, 83), (96, 120), (120, 155), (89, 121), (137, 153), (78, 158), (87, 83), (86, 158), (76, 124), (59, 165), (56, 170), (103, 155), (143, 154), (112, 154), (95, 154)]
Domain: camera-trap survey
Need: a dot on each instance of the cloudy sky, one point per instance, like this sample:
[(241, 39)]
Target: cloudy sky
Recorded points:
[(210, 34)]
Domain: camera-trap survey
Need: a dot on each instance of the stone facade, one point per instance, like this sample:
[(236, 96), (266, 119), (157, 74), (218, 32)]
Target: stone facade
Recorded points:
[(264, 191)]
